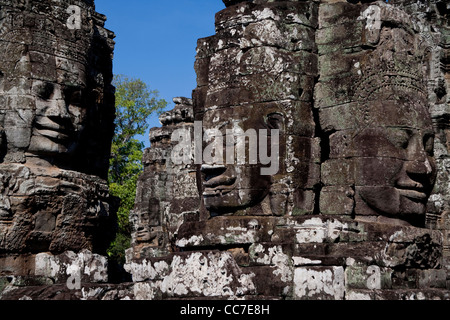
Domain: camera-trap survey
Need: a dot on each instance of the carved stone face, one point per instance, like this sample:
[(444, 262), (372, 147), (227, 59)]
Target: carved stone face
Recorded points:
[(56, 98), (396, 170), (264, 82), (238, 184), (46, 101), (60, 116), (56, 124)]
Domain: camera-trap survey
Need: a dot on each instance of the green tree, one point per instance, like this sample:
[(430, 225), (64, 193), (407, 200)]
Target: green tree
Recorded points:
[(135, 104)]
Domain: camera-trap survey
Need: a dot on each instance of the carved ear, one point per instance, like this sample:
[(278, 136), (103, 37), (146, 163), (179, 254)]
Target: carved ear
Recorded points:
[(275, 121), (3, 143)]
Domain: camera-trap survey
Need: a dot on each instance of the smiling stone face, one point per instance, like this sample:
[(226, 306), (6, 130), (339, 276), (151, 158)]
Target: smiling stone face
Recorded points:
[(55, 87), (254, 76), (395, 169), (384, 152), (375, 114), (56, 127), (238, 184), (60, 116)]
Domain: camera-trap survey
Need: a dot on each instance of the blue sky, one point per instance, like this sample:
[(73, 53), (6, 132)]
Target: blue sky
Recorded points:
[(156, 41)]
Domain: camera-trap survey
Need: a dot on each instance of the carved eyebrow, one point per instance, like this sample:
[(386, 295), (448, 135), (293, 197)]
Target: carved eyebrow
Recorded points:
[(428, 132), (399, 135)]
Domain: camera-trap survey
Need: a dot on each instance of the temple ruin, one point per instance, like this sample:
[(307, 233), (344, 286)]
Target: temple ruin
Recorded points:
[(351, 97)]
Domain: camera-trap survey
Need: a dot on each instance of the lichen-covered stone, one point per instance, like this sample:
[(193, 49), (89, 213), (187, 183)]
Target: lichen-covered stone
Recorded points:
[(57, 122), (358, 209), (357, 93)]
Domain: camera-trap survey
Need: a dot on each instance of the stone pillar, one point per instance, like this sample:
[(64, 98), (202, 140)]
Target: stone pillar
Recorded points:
[(57, 119)]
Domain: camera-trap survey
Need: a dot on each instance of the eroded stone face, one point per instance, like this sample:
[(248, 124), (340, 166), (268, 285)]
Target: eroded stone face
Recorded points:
[(397, 175), (55, 85), (239, 184), (60, 117), (255, 77), (375, 108), (56, 115), (165, 191)]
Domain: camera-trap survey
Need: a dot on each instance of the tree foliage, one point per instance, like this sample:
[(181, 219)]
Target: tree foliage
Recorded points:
[(135, 104)]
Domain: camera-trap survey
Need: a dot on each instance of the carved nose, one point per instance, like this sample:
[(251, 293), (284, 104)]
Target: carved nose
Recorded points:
[(416, 175), (419, 162), (58, 114), (418, 169)]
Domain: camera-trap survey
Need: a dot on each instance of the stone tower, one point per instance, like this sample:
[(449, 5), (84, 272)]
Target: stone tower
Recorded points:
[(356, 96), (310, 163), (56, 118)]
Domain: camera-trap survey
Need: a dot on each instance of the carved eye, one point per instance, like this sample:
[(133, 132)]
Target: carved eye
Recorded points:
[(275, 121), (428, 143), (73, 96), (400, 137), (45, 90)]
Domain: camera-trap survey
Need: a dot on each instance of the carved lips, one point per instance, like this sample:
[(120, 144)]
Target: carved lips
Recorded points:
[(217, 185)]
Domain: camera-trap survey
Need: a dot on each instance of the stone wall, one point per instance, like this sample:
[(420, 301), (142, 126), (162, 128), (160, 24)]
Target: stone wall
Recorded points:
[(357, 95), (357, 209)]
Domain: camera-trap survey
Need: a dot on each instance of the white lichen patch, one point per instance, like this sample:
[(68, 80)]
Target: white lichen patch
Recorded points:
[(300, 261), (317, 231), (144, 290), (311, 283), (353, 296), (358, 67), (372, 15), (295, 18), (85, 263), (207, 275), (265, 14), (145, 270), (274, 256), (45, 265), (194, 240)]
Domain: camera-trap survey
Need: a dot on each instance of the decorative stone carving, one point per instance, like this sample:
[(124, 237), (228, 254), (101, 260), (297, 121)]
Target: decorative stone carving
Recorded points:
[(359, 205), (256, 75), (385, 136), (355, 210), (55, 85), (56, 114), (157, 215)]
